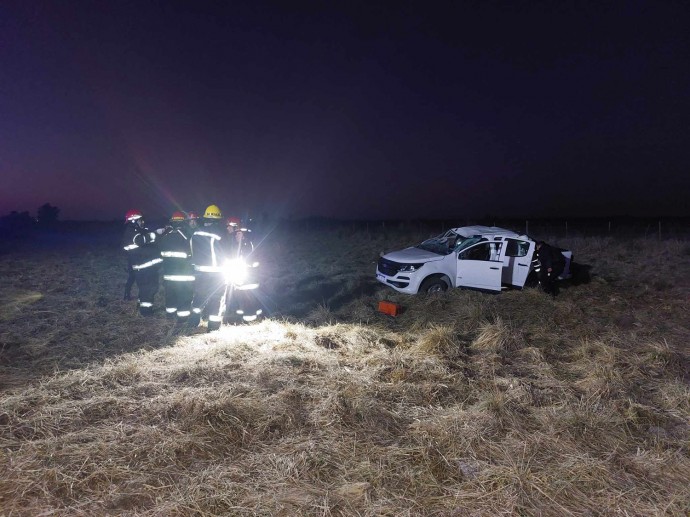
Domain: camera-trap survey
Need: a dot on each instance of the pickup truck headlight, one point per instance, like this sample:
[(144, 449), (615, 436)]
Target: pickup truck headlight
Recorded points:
[(410, 268)]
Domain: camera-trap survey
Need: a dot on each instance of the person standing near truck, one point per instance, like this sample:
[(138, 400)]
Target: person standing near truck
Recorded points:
[(551, 265)]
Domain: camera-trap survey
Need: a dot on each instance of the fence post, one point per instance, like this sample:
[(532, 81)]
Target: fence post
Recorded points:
[(659, 229), (526, 227), (566, 229), (609, 226)]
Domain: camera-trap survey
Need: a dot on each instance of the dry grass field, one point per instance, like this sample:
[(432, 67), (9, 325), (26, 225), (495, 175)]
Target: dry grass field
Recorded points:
[(468, 404)]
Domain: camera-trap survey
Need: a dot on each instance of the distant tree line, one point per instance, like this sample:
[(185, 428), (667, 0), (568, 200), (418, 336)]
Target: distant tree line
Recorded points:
[(18, 224)]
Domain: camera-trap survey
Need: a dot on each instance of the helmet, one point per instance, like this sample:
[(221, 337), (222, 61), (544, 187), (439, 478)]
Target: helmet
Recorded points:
[(133, 215), (213, 212), (233, 221), (177, 217), (192, 216)]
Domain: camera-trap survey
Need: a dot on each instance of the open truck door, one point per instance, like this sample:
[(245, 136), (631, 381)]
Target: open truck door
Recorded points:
[(480, 266), (517, 261)]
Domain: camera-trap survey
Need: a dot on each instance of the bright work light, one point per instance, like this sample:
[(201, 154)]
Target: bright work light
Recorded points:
[(239, 274), (235, 271)]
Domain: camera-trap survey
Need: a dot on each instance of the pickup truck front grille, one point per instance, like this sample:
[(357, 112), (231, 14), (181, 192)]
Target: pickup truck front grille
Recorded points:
[(388, 267)]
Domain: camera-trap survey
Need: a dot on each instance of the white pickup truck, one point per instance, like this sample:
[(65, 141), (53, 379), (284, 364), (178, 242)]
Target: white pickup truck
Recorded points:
[(479, 257)]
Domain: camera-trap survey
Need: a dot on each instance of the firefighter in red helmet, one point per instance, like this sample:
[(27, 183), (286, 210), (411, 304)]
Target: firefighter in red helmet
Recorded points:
[(178, 274), (243, 304), (193, 221), (143, 260), (232, 224)]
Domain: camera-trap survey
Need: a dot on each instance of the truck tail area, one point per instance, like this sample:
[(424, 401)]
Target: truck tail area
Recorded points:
[(568, 255)]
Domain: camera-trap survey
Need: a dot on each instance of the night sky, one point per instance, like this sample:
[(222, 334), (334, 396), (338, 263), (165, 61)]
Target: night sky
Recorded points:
[(346, 109)]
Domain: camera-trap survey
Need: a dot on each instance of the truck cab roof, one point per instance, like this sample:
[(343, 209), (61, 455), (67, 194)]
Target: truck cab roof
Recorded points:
[(486, 231)]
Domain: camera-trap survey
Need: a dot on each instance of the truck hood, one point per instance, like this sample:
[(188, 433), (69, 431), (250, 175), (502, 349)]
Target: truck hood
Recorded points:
[(411, 256)]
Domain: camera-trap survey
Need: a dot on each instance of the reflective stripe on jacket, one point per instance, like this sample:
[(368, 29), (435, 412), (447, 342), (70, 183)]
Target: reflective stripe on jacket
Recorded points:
[(209, 248), (176, 252)]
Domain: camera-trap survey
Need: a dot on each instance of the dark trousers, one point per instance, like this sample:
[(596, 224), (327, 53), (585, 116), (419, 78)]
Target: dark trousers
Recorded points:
[(147, 281), (549, 281), (131, 277), (209, 298), (178, 297), (243, 305)]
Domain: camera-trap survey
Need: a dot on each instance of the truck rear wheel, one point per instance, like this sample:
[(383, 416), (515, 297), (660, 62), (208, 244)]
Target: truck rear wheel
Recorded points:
[(433, 285)]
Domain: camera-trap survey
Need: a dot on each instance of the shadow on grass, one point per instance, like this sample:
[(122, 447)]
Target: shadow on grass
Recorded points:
[(335, 294), (581, 274), (304, 282), (42, 339), (364, 286)]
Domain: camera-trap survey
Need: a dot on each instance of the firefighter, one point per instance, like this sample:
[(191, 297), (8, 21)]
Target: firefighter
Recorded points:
[(178, 274), (551, 263), (232, 225), (241, 243), (144, 260), (134, 221), (241, 291), (209, 253), (193, 221)]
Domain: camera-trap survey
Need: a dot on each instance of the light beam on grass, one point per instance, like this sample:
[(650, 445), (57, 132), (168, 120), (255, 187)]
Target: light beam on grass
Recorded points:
[(266, 337)]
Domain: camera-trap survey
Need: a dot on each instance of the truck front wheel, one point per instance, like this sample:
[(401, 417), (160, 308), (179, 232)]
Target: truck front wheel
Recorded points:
[(433, 285)]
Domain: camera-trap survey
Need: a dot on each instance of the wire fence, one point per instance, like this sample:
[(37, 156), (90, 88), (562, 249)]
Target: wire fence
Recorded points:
[(660, 229)]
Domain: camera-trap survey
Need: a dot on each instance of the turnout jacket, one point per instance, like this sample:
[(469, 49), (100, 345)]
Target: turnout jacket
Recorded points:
[(210, 248), (240, 244), (140, 245), (176, 253), (550, 257)]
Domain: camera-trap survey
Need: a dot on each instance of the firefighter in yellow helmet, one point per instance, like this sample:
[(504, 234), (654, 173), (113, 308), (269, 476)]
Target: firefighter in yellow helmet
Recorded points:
[(209, 246)]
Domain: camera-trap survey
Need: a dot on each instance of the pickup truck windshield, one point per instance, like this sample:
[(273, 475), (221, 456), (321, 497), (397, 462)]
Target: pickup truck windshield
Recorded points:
[(448, 242), (443, 244)]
